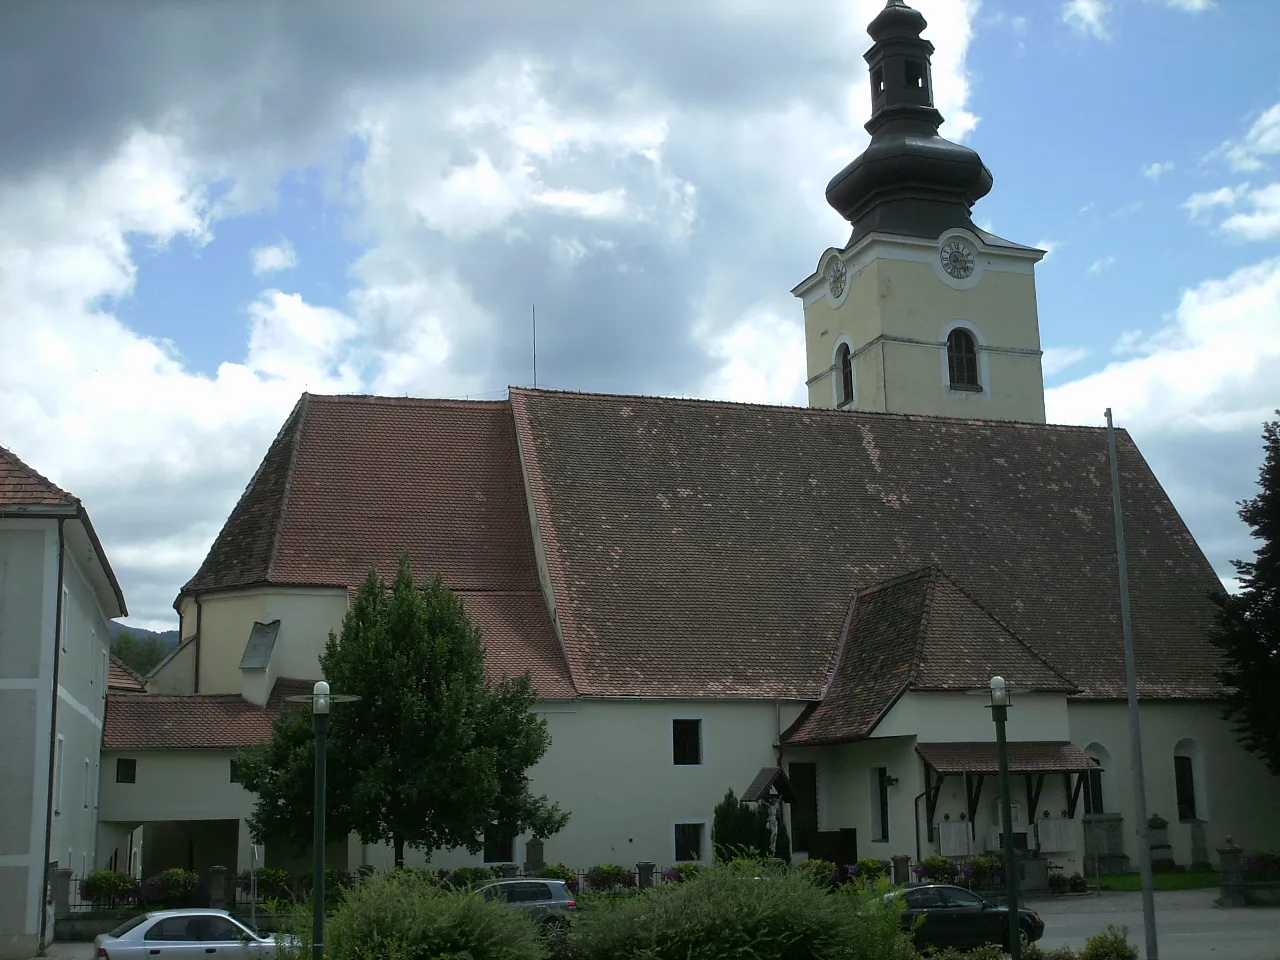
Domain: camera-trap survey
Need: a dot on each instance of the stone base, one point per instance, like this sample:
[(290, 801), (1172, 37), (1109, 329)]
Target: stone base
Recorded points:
[(19, 946)]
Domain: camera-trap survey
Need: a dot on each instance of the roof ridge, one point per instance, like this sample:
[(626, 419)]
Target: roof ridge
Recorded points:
[(922, 628), (127, 669), (816, 411), (373, 399), (1009, 630), (842, 644), (301, 408)]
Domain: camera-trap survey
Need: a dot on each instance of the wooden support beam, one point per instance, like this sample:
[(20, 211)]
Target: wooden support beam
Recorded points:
[(1074, 793)]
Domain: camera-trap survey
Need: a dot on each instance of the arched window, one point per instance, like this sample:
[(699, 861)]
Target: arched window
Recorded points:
[(844, 360), (1094, 792), (962, 360), (1188, 780)]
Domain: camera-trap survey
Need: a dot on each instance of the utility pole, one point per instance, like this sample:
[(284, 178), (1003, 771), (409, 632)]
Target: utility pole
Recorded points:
[(535, 346), (1135, 725)]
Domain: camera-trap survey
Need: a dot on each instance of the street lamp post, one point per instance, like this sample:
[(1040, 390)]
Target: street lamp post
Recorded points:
[(320, 699), (1000, 713)]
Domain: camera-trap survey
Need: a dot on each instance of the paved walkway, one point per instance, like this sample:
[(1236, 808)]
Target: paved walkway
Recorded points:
[(1188, 925)]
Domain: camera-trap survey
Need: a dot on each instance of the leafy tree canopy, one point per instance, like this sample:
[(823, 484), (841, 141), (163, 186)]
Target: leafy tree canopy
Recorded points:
[(140, 651), (431, 756), (1248, 622)]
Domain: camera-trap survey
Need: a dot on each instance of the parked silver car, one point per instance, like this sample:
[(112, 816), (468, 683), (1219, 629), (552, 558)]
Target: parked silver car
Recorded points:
[(191, 934), (547, 901)]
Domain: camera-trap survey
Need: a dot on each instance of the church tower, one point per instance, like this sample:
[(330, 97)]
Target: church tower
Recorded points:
[(921, 311)]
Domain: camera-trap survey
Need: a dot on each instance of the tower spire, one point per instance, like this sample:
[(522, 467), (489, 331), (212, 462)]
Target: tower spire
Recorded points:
[(909, 180)]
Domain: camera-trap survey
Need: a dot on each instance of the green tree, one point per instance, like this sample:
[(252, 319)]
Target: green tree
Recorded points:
[(1248, 622), (140, 651), (432, 755)]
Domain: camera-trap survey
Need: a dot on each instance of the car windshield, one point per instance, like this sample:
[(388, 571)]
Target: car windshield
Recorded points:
[(128, 925)]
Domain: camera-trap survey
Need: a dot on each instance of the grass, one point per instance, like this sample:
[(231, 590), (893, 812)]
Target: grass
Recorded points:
[(1181, 880)]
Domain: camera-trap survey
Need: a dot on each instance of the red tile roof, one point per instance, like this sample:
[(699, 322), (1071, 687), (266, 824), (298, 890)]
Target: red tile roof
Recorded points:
[(1024, 757), (351, 482), (22, 486), (193, 722), (700, 548), (124, 678), (918, 632)]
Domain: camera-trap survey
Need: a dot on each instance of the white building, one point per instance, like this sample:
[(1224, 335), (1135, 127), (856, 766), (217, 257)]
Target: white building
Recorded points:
[(57, 594), (704, 591)]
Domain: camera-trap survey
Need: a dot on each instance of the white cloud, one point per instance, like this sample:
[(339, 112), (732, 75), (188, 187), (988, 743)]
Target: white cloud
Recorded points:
[(1088, 17), (1154, 171), (1261, 141), (759, 357), (1254, 212), (1195, 401), (270, 259), (1057, 359), (1050, 247), (1101, 264), (1191, 6)]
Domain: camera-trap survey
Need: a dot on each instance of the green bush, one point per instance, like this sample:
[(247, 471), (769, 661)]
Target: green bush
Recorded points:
[(1034, 952), (558, 871), (743, 908), (989, 952), (821, 873), (1263, 865), (870, 868), (1078, 884), (403, 916), (1112, 944), (273, 883), (680, 872), (465, 878), (174, 888), (606, 876), (106, 889), (937, 869)]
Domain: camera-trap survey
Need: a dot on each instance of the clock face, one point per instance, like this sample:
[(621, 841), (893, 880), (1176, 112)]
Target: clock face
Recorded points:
[(957, 259), (836, 277)]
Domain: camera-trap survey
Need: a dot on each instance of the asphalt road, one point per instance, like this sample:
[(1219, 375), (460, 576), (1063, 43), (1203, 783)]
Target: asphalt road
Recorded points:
[(1188, 925)]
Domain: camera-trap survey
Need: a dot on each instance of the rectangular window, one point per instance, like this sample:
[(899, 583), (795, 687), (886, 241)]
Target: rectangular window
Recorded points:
[(235, 772), (804, 812), (86, 783), (126, 770), (686, 742), (880, 804), (97, 779), (93, 648), (1093, 791), (689, 841), (57, 775), (1185, 786), (499, 846), (106, 672)]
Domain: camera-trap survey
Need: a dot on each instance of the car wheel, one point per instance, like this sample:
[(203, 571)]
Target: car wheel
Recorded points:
[(1024, 937)]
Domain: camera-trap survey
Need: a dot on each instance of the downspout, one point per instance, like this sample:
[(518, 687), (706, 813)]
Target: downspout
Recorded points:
[(199, 611), (53, 736), (915, 804)]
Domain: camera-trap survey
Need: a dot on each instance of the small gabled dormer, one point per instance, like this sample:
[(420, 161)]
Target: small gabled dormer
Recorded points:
[(257, 669)]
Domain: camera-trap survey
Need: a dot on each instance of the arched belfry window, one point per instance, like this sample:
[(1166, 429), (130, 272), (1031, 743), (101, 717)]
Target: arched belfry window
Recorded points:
[(962, 360), (1188, 780), (844, 364)]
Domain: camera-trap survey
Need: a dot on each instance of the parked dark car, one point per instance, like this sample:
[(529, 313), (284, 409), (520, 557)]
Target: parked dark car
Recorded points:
[(956, 917), (547, 901)]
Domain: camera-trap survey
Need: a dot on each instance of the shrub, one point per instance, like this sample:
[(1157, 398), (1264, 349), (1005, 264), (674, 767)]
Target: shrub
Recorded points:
[(937, 869), (606, 876), (681, 872), (558, 871), (1058, 883), (106, 889), (465, 878), (173, 888), (1111, 944), (1263, 865), (989, 952), (1078, 884), (870, 868), (743, 908), (400, 916), (273, 883), (821, 873), (1035, 952)]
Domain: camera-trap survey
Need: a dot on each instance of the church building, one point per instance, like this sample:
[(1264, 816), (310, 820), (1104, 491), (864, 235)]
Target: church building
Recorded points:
[(711, 595)]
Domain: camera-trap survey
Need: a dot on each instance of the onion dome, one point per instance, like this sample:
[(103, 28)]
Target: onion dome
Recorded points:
[(909, 181)]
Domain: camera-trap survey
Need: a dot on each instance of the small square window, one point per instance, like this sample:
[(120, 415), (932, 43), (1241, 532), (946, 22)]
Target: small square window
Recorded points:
[(126, 770), (499, 846), (686, 742), (235, 772), (689, 841)]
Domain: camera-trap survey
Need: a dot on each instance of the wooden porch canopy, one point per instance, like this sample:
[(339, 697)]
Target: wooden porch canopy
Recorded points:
[(976, 761)]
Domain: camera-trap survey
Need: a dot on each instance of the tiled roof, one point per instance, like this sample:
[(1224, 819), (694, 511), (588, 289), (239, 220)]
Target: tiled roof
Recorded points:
[(191, 722), (700, 548), (22, 486), (1024, 757), (920, 632), (351, 482), (121, 676)]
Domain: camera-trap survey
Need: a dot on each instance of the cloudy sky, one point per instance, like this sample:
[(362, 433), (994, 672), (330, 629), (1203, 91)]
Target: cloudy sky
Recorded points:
[(208, 207)]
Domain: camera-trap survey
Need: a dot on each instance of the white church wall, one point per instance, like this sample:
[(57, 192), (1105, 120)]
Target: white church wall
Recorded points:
[(1235, 793), (966, 718)]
